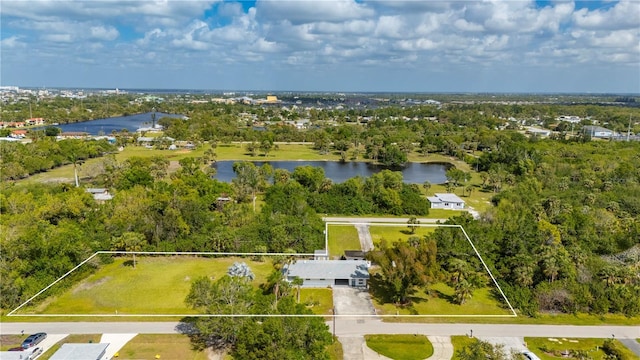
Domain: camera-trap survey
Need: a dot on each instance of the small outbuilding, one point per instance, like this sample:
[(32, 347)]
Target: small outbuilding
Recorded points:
[(329, 273), (446, 201), (80, 352), (354, 255)]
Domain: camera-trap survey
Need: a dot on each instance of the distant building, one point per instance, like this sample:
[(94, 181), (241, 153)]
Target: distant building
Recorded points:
[(537, 131), (446, 201), (571, 119), (598, 132), (329, 273), (100, 194)]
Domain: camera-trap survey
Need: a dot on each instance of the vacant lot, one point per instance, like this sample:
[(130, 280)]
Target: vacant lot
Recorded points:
[(341, 238), (396, 233), (440, 301), (158, 285)]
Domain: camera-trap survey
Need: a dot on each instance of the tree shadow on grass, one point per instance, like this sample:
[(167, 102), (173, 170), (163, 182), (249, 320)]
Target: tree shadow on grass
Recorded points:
[(449, 298), (379, 290), (128, 263)]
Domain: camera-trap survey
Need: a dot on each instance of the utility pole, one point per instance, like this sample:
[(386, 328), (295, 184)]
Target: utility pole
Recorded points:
[(629, 129)]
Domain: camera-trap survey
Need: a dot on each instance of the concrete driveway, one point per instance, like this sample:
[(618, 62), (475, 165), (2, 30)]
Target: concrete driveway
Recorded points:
[(351, 301)]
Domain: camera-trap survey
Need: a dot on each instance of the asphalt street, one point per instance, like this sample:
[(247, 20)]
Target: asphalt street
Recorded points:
[(346, 327)]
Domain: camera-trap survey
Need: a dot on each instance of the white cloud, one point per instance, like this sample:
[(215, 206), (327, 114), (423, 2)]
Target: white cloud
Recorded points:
[(65, 38), (623, 15), (12, 42), (308, 11), (106, 33)]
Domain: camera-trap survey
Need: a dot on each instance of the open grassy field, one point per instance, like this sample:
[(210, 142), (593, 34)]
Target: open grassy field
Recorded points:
[(441, 302), (341, 238), (158, 285), (400, 347), (396, 233), (553, 348), (70, 339), (167, 346), (320, 301)]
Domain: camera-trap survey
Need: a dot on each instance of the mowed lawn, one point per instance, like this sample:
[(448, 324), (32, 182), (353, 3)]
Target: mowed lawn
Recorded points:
[(341, 238), (147, 346), (441, 302), (552, 348), (320, 301), (401, 347), (397, 233), (158, 285)]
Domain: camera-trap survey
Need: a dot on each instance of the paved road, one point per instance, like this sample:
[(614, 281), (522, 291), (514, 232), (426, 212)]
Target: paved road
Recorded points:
[(633, 345), (347, 327)]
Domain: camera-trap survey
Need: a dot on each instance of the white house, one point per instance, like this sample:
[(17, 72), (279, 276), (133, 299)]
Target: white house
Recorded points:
[(329, 273), (80, 352), (446, 201), (598, 132)]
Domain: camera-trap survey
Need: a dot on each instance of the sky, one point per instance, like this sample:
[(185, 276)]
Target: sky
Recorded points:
[(513, 46)]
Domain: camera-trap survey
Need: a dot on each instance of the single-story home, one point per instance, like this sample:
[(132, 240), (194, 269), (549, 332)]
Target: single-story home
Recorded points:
[(446, 201), (598, 132), (100, 194), (329, 273), (80, 352)]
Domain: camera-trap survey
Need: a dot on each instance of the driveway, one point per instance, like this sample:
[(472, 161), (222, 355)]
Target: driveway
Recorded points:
[(442, 347), (351, 301), (366, 242), (116, 342), (515, 344)]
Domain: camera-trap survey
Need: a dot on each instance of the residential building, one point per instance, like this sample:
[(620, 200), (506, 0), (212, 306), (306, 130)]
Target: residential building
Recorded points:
[(80, 352), (329, 273), (446, 201)]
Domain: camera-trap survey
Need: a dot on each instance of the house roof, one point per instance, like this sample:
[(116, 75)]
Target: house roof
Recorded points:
[(328, 269), (451, 198), (80, 352)]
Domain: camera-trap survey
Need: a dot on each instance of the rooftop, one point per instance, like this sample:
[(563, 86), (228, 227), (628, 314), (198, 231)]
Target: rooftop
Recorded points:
[(329, 269), (80, 352), (452, 198)]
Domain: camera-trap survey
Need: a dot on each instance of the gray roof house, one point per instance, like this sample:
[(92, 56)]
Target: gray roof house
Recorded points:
[(329, 273), (598, 132), (446, 201), (80, 352)]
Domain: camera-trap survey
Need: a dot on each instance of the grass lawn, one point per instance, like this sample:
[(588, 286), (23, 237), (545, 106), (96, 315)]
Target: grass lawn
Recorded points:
[(396, 233), (440, 302), (70, 339), (237, 151), (459, 342), (400, 347), (158, 285), (341, 238), (10, 341), (335, 350), (552, 348), (173, 346), (320, 301)]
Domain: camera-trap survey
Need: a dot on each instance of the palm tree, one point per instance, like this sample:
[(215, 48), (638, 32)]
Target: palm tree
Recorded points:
[(130, 242), (297, 282), (463, 292), (459, 269), (426, 185)]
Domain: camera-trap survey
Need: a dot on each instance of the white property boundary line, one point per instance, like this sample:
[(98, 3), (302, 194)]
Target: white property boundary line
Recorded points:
[(12, 313), (495, 282)]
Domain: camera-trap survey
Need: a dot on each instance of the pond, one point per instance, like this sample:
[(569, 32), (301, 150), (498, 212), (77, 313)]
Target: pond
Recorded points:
[(106, 126), (412, 173)]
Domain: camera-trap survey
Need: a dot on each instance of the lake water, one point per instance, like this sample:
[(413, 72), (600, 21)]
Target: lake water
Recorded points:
[(412, 173), (106, 126)]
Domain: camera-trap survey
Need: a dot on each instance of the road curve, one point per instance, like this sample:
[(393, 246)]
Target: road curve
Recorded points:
[(346, 327)]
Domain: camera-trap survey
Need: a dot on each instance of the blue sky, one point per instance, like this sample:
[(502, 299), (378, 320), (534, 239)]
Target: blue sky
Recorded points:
[(324, 45)]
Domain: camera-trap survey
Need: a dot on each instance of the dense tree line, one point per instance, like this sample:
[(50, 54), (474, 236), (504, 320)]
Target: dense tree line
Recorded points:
[(18, 160), (256, 336)]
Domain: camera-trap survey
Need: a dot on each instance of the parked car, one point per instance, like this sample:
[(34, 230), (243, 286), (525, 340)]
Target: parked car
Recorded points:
[(33, 340), (531, 356)]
